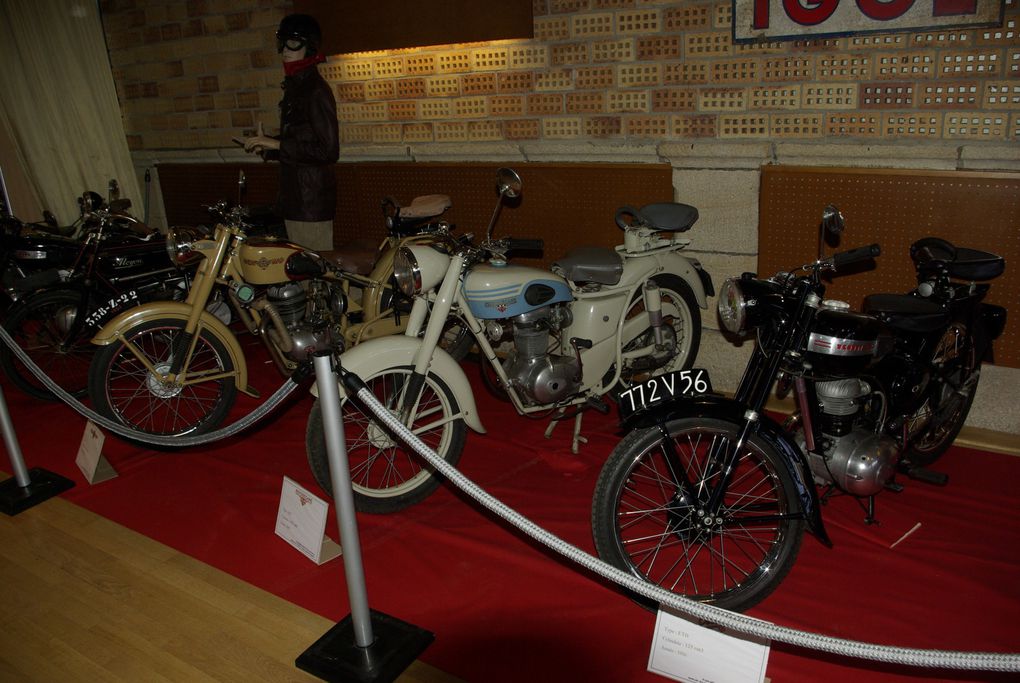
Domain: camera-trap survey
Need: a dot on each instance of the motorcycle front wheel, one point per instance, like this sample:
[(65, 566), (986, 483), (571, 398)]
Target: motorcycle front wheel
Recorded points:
[(643, 524), (123, 389), (40, 323), (386, 474)]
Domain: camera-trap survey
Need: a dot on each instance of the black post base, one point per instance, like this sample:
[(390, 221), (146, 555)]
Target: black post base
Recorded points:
[(42, 485), (336, 656)]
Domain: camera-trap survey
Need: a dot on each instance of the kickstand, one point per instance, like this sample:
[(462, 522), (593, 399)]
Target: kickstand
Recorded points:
[(578, 439), (869, 507)]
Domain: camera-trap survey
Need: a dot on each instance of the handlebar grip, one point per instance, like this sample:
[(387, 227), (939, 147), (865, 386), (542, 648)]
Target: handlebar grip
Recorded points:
[(854, 255), (515, 244)]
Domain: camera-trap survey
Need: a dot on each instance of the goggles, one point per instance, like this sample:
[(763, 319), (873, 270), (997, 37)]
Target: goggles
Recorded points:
[(291, 41)]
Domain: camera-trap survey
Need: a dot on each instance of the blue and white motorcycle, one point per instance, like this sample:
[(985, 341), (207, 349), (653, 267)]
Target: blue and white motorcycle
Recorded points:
[(602, 319)]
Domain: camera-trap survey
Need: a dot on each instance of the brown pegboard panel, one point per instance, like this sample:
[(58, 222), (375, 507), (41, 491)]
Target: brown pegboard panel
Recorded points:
[(565, 204), (189, 188), (894, 208)]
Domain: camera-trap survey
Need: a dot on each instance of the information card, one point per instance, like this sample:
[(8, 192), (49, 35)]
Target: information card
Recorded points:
[(301, 521), (90, 459), (684, 651)]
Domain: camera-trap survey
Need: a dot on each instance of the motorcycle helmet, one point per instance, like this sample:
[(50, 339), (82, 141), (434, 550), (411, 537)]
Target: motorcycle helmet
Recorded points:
[(298, 31)]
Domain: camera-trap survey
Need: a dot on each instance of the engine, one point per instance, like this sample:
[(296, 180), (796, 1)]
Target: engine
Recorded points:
[(305, 317), (850, 454), (540, 375)]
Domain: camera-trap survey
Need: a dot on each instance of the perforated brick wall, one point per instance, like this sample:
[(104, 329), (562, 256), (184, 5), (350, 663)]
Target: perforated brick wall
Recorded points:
[(193, 73)]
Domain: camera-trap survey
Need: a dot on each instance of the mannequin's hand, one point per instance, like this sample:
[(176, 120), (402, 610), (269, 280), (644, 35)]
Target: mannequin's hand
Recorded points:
[(260, 142)]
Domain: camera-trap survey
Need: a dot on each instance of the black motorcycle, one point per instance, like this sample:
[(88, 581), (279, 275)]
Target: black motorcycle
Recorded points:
[(119, 262), (709, 497)]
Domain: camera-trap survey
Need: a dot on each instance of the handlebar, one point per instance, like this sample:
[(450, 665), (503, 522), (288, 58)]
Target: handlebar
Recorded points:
[(845, 258)]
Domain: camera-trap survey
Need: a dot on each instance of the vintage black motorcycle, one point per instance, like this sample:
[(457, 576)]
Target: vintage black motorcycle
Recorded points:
[(709, 497), (118, 262)]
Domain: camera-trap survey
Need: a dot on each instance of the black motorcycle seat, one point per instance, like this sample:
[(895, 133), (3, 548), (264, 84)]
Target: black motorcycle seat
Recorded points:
[(973, 264), (663, 216), (906, 312), (959, 262), (591, 264)]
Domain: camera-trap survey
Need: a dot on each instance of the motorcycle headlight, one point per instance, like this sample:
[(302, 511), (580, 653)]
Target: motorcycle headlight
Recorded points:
[(732, 306), (406, 272), (180, 245)]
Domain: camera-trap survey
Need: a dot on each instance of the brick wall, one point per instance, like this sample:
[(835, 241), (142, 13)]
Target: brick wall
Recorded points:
[(191, 74)]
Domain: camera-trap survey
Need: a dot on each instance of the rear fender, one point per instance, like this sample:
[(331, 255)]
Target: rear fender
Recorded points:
[(375, 355), (717, 407), (116, 327)]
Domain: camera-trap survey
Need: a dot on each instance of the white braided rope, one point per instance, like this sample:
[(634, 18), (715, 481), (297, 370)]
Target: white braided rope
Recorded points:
[(983, 661)]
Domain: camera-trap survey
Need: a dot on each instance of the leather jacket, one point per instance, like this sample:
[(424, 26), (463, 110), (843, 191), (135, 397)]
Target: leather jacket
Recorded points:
[(309, 148)]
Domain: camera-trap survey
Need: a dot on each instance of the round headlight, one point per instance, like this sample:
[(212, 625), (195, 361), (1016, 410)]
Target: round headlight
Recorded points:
[(406, 272), (180, 244), (732, 306)]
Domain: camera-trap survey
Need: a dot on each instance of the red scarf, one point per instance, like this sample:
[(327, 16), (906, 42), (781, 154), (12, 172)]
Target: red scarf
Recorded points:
[(291, 68)]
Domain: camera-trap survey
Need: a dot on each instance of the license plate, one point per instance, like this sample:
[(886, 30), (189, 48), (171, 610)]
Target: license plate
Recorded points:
[(656, 390)]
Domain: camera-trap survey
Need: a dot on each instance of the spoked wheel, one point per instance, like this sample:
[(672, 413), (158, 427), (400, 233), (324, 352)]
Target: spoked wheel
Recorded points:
[(126, 383), (42, 325), (646, 523), (937, 423), (386, 474), (682, 325)]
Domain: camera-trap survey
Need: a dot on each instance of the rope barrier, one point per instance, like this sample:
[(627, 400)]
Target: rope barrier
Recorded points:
[(983, 661), (180, 441), (739, 623)]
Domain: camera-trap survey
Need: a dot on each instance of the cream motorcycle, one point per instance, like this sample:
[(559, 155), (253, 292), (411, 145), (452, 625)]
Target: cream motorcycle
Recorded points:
[(603, 318), (170, 368)]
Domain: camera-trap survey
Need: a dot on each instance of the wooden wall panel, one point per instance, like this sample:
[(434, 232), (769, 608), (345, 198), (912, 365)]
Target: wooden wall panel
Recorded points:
[(567, 205), (894, 208)]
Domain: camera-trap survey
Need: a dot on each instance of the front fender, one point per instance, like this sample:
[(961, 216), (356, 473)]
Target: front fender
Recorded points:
[(375, 355), (720, 408), (116, 327)]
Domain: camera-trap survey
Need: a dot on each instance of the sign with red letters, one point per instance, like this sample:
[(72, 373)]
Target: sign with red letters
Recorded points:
[(774, 20)]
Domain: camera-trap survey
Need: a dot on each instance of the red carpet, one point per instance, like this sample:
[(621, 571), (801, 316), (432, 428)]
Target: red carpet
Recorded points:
[(504, 609)]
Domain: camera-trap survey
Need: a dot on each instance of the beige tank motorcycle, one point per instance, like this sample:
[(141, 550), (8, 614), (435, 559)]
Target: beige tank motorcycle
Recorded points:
[(171, 368)]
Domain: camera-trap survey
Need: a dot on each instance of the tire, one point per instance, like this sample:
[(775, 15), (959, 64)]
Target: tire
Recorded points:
[(681, 314), (40, 323), (122, 390), (388, 476), (937, 423), (641, 525)]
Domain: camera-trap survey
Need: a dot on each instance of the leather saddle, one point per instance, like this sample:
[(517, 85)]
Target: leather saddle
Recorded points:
[(358, 256)]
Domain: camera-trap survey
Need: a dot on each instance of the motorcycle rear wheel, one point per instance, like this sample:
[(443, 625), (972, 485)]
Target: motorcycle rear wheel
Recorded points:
[(937, 423), (387, 475), (642, 525), (680, 314), (40, 323), (123, 390)]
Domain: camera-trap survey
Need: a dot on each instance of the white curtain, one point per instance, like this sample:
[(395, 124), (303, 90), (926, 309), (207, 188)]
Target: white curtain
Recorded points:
[(58, 99)]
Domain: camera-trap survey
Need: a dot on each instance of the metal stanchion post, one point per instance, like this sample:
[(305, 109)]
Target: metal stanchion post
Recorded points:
[(366, 645), (27, 487)]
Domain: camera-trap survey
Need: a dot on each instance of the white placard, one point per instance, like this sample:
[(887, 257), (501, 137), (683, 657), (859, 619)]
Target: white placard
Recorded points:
[(90, 459), (301, 521), (684, 651)]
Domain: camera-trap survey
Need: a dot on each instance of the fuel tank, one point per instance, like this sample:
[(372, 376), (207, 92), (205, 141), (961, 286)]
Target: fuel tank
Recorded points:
[(264, 260), (842, 343), (496, 292)]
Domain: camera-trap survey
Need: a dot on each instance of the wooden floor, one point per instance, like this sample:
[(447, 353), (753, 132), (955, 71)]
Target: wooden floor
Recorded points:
[(85, 599)]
